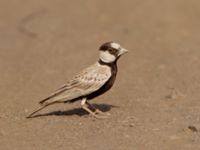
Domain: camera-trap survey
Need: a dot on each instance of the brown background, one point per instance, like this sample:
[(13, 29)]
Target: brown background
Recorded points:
[(155, 102)]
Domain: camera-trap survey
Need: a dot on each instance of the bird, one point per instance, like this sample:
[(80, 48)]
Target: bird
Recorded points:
[(90, 82)]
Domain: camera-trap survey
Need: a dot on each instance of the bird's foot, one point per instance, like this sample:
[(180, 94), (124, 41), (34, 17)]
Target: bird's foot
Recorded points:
[(98, 116), (97, 111)]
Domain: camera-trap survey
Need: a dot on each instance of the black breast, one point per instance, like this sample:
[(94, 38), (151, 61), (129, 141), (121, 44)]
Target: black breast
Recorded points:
[(108, 84)]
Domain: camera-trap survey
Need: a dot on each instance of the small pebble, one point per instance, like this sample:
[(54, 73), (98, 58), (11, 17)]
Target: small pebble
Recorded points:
[(193, 128), (131, 125)]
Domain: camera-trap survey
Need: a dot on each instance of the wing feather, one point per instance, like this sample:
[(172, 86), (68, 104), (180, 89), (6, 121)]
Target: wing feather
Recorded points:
[(88, 81)]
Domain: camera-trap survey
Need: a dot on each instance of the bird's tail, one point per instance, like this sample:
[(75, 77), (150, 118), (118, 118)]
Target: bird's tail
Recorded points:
[(39, 109), (44, 101)]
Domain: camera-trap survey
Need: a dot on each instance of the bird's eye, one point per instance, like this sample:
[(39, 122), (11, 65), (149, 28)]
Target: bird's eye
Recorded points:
[(112, 51)]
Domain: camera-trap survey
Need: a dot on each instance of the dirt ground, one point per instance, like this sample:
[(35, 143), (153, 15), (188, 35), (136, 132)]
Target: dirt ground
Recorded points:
[(155, 102)]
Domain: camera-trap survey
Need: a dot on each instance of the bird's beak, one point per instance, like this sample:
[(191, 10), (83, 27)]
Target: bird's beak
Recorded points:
[(122, 51)]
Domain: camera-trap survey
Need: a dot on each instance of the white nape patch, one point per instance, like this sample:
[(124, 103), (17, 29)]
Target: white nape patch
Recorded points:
[(115, 45), (106, 57)]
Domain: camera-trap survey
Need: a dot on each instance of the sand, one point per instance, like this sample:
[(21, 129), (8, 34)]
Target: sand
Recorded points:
[(154, 103)]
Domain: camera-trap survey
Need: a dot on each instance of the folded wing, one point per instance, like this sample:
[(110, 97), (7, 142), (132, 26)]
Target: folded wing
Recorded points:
[(83, 84)]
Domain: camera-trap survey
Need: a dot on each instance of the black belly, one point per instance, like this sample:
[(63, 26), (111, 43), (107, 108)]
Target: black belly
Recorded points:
[(107, 85), (104, 88)]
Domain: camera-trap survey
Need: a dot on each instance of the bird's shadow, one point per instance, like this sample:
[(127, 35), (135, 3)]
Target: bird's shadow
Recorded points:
[(76, 111)]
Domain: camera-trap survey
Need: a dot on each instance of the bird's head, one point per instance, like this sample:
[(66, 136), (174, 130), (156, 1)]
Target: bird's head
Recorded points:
[(109, 52)]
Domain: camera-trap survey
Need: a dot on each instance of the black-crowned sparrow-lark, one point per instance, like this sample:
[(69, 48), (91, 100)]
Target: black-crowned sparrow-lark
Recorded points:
[(90, 83)]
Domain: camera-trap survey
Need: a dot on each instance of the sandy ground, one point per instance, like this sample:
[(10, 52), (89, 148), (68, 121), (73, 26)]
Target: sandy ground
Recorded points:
[(155, 102)]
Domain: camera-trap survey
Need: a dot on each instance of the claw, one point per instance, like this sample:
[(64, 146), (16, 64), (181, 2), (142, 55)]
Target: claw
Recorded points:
[(94, 114), (99, 116), (97, 111)]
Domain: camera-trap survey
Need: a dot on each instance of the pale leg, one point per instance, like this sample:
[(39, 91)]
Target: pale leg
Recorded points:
[(97, 111), (83, 104)]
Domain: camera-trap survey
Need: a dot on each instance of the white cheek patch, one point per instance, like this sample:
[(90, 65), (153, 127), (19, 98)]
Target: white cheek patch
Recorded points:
[(106, 57), (115, 45)]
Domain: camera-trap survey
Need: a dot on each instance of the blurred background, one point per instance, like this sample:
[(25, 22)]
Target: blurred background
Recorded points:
[(155, 100)]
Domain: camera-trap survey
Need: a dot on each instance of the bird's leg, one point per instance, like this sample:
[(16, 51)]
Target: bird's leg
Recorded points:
[(83, 102), (97, 111), (90, 105)]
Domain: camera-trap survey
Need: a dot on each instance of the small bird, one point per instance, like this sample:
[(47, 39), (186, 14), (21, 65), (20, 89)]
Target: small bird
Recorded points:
[(90, 83)]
